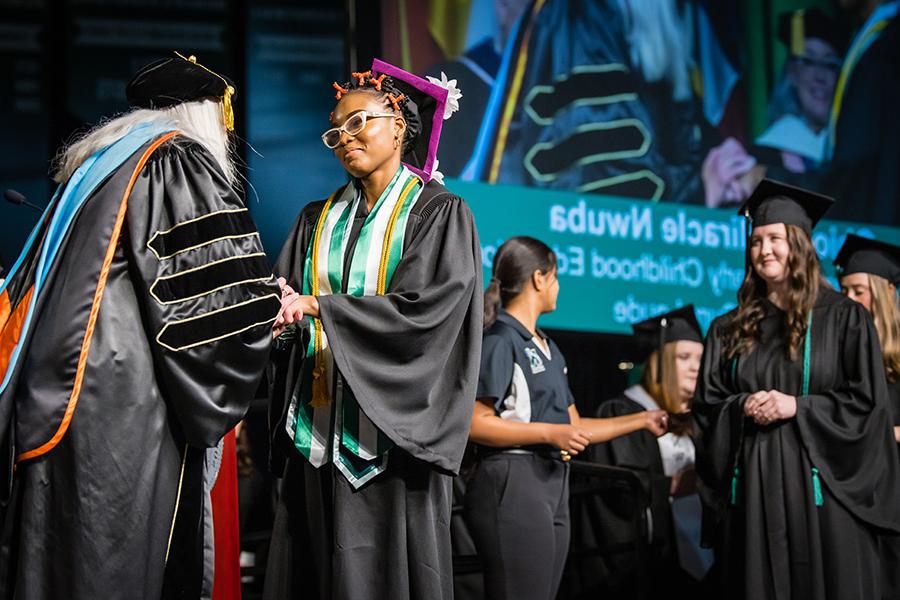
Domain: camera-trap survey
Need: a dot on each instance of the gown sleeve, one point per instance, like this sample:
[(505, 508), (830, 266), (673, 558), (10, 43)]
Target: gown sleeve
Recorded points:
[(411, 356), (207, 296), (718, 411), (634, 450), (638, 451), (847, 430)]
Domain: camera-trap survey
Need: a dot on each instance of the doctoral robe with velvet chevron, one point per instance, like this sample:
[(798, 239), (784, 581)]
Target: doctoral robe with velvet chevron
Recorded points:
[(145, 346)]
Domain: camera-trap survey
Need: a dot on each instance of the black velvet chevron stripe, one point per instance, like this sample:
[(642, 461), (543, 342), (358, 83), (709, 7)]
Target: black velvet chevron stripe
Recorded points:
[(601, 85), (209, 278), (626, 138), (202, 231), (215, 325)]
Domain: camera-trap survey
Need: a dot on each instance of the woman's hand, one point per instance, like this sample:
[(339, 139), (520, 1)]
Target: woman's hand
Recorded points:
[(293, 307), (897, 434), (657, 422), (721, 172), (289, 313), (568, 438), (769, 406)]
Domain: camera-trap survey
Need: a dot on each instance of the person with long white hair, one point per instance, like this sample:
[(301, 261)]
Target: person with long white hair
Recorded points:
[(134, 328)]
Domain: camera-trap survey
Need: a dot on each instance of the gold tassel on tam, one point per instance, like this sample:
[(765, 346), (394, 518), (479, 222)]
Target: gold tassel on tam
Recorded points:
[(798, 35), (227, 111)]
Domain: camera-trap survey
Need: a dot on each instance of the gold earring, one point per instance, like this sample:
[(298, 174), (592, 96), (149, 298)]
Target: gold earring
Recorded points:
[(396, 141)]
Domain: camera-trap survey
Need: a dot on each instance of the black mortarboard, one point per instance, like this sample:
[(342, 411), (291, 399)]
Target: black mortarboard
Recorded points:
[(864, 255), (795, 26), (656, 332), (170, 81), (776, 202)]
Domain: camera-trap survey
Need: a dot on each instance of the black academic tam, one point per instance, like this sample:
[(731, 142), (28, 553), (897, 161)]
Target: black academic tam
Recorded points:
[(776, 202), (865, 255)]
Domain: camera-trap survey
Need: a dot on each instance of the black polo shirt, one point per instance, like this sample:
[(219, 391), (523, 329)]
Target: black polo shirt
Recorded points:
[(526, 384)]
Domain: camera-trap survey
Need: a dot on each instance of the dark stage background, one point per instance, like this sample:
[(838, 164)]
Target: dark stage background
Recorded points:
[(65, 64)]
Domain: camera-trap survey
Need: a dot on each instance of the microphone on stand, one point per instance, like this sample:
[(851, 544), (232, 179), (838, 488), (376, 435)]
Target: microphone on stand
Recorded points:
[(14, 197)]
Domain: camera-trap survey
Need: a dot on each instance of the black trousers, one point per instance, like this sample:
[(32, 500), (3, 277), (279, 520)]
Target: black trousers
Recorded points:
[(517, 506)]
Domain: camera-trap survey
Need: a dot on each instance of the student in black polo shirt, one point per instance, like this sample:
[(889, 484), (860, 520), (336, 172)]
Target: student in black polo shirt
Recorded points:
[(527, 428)]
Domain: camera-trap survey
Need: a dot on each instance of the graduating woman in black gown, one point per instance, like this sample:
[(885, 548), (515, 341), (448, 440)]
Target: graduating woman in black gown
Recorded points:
[(674, 341), (869, 273), (374, 386), (527, 428), (795, 453)]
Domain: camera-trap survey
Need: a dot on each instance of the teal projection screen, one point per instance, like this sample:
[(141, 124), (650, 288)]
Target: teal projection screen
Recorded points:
[(622, 260)]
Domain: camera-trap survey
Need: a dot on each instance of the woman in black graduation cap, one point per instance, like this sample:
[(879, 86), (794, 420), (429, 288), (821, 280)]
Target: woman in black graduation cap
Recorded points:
[(527, 428), (795, 455), (375, 379), (666, 463), (869, 272)]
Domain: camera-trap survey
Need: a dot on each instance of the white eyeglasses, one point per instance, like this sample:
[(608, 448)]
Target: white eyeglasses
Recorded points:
[(353, 125)]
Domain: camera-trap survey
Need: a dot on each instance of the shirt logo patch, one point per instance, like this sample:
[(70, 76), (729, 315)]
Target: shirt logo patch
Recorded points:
[(534, 360)]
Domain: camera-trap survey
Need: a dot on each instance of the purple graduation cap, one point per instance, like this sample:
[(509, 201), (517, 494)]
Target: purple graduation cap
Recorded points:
[(428, 103)]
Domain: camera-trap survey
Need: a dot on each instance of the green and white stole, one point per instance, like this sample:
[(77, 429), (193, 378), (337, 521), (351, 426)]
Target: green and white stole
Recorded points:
[(324, 418)]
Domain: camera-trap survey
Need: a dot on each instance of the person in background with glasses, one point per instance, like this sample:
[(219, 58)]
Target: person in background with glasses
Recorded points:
[(801, 101), (377, 354), (793, 148)]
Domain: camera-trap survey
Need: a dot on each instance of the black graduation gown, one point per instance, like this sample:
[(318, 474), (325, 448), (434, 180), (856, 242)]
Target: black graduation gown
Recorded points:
[(894, 394), (775, 542), (863, 173), (639, 451), (115, 509), (890, 544), (411, 358)]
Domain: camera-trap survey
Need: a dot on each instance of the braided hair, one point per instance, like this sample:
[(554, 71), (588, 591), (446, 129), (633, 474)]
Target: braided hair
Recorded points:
[(385, 89)]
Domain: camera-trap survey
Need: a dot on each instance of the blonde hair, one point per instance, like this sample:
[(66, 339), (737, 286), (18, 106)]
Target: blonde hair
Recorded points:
[(200, 121), (886, 314), (666, 391)]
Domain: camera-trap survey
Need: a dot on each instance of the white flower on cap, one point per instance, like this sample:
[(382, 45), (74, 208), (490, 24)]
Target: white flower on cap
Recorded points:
[(435, 174), (453, 93)]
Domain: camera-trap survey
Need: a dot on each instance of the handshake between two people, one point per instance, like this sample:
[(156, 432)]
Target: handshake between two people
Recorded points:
[(294, 307)]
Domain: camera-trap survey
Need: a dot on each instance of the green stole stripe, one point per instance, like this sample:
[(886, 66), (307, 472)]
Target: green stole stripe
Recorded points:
[(357, 284), (336, 249)]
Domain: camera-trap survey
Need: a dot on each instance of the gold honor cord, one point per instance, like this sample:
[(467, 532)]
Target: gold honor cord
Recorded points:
[(515, 88), (389, 233), (846, 70), (320, 395), (227, 110)]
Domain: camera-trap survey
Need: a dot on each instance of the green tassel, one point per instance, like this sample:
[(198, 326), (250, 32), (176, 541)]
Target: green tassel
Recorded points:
[(734, 486), (817, 488)]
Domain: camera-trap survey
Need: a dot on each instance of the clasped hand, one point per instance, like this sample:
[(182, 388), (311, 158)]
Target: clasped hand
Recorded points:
[(294, 307), (766, 407)]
